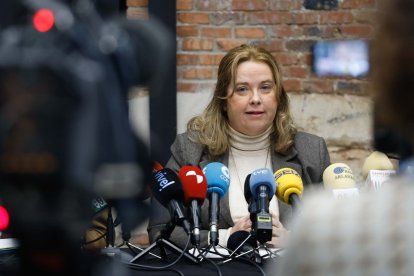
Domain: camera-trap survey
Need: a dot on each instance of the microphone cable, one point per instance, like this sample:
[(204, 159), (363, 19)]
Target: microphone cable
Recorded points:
[(202, 258), (242, 257), (166, 267), (133, 248), (272, 254), (238, 247), (215, 251), (215, 265), (103, 234), (246, 260)]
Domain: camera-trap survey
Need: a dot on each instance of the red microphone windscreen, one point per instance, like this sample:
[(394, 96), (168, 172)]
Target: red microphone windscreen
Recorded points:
[(194, 184)]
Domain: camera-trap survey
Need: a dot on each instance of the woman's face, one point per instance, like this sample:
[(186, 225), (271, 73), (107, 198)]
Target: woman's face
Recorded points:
[(252, 107)]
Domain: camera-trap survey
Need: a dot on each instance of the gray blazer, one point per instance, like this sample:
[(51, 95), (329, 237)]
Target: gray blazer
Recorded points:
[(309, 157)]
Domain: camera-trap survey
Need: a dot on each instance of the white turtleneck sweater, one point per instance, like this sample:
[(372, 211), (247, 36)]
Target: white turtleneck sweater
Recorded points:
[(247, 153)]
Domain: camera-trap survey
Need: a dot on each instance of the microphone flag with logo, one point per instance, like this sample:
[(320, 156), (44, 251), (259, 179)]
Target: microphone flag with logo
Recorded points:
[(377, 170), (195, 189), (262, 188), (339, 179), (289, 186), (194, 184), (167, 189), (218, 181)]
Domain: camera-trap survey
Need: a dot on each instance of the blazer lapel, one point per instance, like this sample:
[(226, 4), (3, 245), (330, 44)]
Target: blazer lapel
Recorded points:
[(285, 161)]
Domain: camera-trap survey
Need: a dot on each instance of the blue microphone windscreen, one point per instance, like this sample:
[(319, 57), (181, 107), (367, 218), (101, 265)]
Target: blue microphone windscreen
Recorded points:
[(218, 178), (262, 176)]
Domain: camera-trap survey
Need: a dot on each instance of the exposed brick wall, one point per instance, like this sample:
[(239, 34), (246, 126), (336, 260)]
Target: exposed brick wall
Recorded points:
[(137, 9), (207, 29)]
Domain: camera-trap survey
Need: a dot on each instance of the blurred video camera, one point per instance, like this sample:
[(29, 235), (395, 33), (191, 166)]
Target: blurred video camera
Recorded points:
[(65, 134)]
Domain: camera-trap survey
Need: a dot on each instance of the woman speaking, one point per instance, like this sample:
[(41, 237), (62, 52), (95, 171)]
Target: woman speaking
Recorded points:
[(246, 126)]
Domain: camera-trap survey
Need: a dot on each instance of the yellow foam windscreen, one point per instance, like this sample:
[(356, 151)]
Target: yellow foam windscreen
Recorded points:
[(288, 182)]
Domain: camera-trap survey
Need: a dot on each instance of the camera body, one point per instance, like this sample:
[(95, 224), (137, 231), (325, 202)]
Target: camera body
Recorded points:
[(65, 131)]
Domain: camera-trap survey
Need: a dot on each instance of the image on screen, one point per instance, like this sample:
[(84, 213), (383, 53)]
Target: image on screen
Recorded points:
[(341, 58)]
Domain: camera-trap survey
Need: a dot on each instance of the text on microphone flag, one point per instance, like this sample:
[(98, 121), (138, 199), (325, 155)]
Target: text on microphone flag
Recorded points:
[(342, 169), (286, 171), (162, 180)]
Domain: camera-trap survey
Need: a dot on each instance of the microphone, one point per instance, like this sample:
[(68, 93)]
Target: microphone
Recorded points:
[(377, 170), (168, 190), (262, 187), (339, 179), (239, 242), (376, 161), (218, 180), (289, 186), (248, 196), (195, 190), (156, 166), (252, 206)]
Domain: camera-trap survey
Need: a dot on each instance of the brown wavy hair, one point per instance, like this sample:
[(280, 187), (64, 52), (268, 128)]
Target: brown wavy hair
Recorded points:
[(211, 127)]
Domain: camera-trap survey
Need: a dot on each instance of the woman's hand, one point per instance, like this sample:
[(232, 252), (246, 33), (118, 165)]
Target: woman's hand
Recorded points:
[(279, 233), (243, 224)]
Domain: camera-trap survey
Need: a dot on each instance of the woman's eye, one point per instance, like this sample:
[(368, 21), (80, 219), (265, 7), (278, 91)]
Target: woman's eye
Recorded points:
[(266, 88), (241, 89)]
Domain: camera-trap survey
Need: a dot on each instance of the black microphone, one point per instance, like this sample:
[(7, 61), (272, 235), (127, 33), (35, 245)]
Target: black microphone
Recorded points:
[(240, 242), (252, 206), (167, 189), (247, 192)]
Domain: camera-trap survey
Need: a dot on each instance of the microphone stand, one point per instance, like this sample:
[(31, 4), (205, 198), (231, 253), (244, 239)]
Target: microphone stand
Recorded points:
[(110, 249), (294, 201), (110, 228), (163, 243), (214, 210), (212, 249), (234, 255), (258, 258), (126, 236)]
